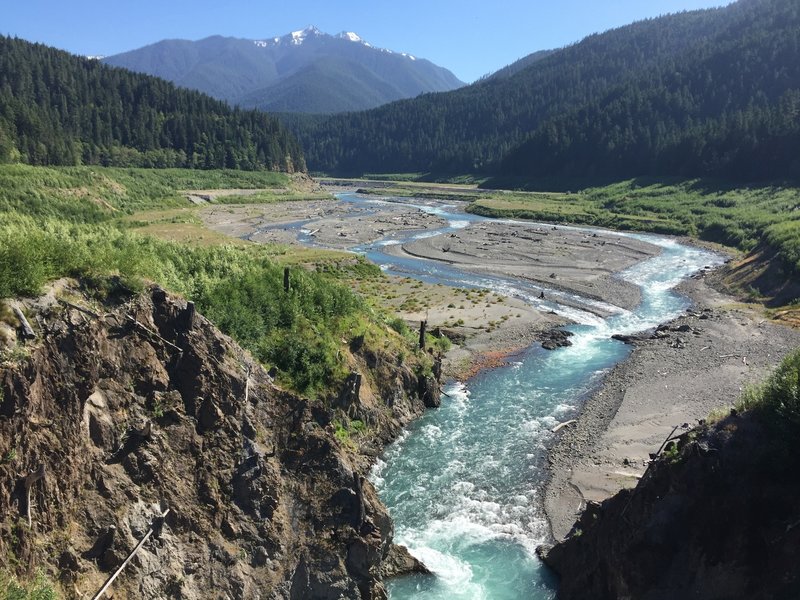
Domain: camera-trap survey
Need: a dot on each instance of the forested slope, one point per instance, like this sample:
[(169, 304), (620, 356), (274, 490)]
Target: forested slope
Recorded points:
[(727, 106), (674, 91), (60, 109)]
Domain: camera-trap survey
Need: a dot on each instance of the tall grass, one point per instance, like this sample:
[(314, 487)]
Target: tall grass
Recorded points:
[(38, 589), (62, 222), (778, 397)]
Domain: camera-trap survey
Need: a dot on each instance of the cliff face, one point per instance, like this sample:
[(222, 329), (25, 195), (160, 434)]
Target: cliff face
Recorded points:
[(715, 517), (127, 418)]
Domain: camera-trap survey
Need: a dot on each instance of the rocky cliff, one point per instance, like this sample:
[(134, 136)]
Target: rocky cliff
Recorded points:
[(715, 517), (141, 405)]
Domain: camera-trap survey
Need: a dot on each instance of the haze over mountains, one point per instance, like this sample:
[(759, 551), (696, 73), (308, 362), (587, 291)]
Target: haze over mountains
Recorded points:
[(306, 71)]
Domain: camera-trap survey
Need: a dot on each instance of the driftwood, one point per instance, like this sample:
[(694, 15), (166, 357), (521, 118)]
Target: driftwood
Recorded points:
[(670, 438), (28, 482), (91, 313), (153, 333), (27, 331), (156, 524), (564, 424)]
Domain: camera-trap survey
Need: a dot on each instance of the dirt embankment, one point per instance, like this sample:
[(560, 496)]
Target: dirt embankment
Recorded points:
[(141, 405), (715, 518), (675, 375)]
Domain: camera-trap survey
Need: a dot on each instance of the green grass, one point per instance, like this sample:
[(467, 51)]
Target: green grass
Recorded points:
[(741, 217), (778, 397), (49, 230), (265, 197), (95, 194), (38, 589)]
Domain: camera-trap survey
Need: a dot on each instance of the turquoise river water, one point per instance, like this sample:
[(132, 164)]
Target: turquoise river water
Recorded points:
[(464, 482)]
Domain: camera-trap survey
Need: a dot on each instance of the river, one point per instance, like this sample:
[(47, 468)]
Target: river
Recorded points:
[(464, 482)]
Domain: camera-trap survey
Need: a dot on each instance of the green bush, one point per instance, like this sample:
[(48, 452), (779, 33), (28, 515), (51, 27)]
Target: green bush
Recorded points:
[(39, 589), (399, 325), (238, 288), (779, 396)]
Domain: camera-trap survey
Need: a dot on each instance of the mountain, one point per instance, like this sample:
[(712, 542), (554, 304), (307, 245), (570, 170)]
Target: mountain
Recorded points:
[(61, 109), (726, 106), (520, 64), (672, 95), (305, 71)]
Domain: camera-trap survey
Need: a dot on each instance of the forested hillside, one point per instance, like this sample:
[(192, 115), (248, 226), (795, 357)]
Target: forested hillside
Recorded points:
[(728, 106), (60, 109), (674, 91)]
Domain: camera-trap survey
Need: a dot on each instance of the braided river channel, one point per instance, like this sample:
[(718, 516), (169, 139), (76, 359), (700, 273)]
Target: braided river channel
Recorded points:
[(464, 482)]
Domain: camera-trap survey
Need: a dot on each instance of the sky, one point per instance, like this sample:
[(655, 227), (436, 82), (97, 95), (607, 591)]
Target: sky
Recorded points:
[(470, 37)]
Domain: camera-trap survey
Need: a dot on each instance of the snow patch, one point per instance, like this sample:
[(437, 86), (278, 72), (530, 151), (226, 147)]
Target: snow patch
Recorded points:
[(298, 37)]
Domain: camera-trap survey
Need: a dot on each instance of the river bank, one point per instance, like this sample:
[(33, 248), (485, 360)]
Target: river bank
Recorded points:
[(509, 277), (697, 363), (557, 262)]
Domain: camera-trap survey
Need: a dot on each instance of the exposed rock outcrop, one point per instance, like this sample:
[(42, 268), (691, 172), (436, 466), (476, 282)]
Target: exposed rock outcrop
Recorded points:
[(556, 338), (130, 417), (716, 517)]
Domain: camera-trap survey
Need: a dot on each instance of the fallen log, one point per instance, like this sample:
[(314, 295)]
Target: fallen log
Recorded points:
[(564, 424), (153, 333), (27, 331)]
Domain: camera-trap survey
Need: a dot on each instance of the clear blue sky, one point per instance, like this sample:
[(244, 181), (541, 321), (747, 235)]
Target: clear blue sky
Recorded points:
[(469, 37)]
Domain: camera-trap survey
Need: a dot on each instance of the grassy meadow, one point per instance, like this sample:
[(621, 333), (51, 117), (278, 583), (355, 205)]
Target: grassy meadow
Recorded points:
[(90, 223)]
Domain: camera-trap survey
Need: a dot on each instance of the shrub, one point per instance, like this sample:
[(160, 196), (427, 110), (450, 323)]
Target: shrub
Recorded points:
[(779, 395)]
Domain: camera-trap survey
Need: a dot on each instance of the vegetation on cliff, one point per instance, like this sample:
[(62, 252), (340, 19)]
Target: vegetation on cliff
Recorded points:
[(74, 222), (145, 404)]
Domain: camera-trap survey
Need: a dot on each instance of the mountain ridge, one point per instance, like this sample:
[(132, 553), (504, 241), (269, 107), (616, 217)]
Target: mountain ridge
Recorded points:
[(249, 72)]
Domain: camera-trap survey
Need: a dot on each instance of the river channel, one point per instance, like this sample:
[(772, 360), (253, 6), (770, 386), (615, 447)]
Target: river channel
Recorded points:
[(464, 482)]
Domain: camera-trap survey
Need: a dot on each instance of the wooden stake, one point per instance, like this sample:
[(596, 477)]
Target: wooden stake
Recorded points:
[(127, 560), (30, 479)]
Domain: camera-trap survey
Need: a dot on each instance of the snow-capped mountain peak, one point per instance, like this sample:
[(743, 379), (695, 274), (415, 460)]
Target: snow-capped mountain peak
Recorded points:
[(349, 35), (298, 37)]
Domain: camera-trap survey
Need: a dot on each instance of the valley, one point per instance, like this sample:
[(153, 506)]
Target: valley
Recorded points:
[(709, 353), (535, 336)]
